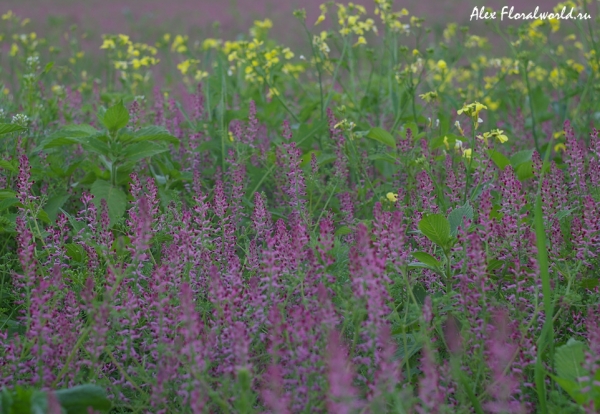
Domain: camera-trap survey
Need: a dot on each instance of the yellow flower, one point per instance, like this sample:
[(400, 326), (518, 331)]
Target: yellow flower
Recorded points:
[(14, 49), (124, 39), (6, 91), (122, 65), (472, 110), (200, 74), (467, 153), (184, 66), (230, 136), (446, 143), (429, 96), (392, 197), (320, 19), (108, 44), (441, 65), (8, 15), (495, 133), (361, 41), (415, 52), (210, 44), (559, 147), (287, 53)]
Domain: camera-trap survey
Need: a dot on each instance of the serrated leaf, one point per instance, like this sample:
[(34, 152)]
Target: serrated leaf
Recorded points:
[(525, 171), (154, 133), (75, 252), (572, 388), (457, 216), (499, 159), (141, 150), (7, 165), (342, 231), (8, 202), (54, 204), (436, 228), (568, 360), (116, 117), (520, 157), (8, 128), (78, 399), (381, 135), (427, 259), (115, 199)]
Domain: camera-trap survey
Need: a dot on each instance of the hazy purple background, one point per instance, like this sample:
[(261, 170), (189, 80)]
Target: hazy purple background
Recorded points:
[(183, 16)]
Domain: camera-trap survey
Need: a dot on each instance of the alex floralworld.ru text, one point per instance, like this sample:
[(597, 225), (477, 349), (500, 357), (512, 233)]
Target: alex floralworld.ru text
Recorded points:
[(509, 13)]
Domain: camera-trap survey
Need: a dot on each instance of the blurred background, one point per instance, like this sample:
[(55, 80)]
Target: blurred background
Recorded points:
[(234, 16)]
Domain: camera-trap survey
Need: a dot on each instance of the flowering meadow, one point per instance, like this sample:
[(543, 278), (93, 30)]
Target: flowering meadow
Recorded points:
[(381, 218)]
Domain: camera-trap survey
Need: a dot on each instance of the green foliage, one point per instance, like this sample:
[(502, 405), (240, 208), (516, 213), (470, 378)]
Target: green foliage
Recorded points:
[(74, 400)]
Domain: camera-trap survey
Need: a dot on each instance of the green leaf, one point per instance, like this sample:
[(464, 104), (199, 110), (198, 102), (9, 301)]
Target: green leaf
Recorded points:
[(141, 150), (8, 202), (521, 157), (77, 400), (154, 133), (381, 135), (95, 144), (427, 259), (342, 231), (8, 128), (8, 165), (54, 204), (572, 388), (382, 157), (525, 171), (48, 66), (568, 360), (43, 216), (499, 159), (115, 199), (116, 117), (436, 228), (457, 216), (75, 252), (4, 194)]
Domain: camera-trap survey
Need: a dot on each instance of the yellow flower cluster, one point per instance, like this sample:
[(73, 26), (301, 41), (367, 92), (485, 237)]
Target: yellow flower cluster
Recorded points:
[(349, 19), (391, 19), (130, 58), (472, 110), (494, 133)]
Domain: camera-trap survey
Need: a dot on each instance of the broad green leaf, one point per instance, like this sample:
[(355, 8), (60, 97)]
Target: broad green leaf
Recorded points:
[(525, 171), (116, 117), (81, 129), (43, 216), (568, 360), (381, 135), (77, 400), (382, 157), (48, 66), (499, 159), (457, 216), (154, 133), (521, 157), (342, 231), (8, 128), (8, 202), (5, 193), (427, 259), (115, 199), (141, 150), (436, 228), (572, 388), (95, 144), (75, 252), (54, 204), (10, 166)]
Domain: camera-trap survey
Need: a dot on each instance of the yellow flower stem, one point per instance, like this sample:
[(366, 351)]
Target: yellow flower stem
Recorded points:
[(335, 72), (533, 129), (318, 67), (470, 162)]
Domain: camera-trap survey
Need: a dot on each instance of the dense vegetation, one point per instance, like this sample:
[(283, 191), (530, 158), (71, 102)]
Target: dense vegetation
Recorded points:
[(395, 220)]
